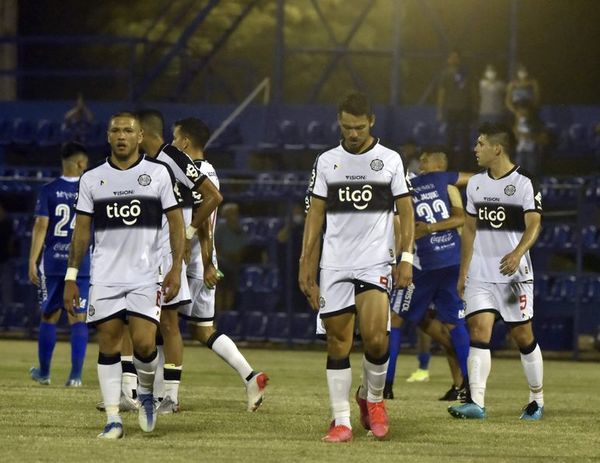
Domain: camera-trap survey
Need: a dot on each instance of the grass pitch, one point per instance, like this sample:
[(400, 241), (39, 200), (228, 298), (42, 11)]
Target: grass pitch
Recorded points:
[(57, 424)]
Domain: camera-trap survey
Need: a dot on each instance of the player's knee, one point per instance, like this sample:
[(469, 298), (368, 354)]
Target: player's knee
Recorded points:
[(144, 348), (376, 345), (338, 346), (203, 333)]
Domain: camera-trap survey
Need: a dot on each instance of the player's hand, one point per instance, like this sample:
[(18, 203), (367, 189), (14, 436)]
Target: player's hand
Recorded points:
[(402, 275), (460, 286), (187, 251), (211, 276), (510, 263), (421, 229), (71, 297), (33, 274), (307, 280), (171, 284)]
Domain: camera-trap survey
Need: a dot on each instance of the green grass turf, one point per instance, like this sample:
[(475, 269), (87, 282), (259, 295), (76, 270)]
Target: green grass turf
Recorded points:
[(57, 424)]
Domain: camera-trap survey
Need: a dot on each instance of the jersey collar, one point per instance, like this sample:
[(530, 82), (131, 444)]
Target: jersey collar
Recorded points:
[(110, 163), (505, 175), (371, 146)]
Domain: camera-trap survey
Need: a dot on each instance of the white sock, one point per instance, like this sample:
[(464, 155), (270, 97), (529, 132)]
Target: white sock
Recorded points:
[(364, 386), (375, 375), (109, 377), (479, 364), (225, 348), (172, 379), (533, 365), (339, 383), (145, 372), (159, 381)]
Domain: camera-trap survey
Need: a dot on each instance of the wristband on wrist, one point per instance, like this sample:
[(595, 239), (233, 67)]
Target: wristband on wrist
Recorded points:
[(190, 231), (71, 274), (407, 257)]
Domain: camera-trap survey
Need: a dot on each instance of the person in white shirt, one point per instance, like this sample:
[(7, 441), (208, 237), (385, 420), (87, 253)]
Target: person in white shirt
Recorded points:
[(354, 188), (503, 222)]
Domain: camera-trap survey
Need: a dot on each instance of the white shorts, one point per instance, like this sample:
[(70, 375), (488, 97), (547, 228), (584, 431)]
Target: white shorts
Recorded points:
[(108, 302), (513, 301), (338, 289), (183, 296), (202, 308)]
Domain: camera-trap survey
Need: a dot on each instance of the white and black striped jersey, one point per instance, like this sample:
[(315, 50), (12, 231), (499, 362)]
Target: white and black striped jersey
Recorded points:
[(187, 176), (500, 205), (127, 209), (195, 268), (360, 190)]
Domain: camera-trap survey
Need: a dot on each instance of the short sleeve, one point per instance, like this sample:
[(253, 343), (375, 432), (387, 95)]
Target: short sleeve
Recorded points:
[(84, 203), (532, 198), (400, 183), (470, 204), (41, 205), (167, 191), (182, 166)]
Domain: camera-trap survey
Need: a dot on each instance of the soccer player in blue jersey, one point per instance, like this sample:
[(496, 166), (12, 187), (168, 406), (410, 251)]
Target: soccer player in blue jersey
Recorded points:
[(52, 230), (438, 212)]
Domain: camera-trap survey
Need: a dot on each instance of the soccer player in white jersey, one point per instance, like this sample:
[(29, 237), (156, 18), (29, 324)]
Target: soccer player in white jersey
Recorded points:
[(190, 135), (503, 221), (124, 198), (187, 176), (354, 187)]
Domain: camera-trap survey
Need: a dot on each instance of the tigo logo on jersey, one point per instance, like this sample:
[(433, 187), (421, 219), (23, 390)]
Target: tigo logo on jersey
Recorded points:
[(495, 217), (359, 198), (129, 213)]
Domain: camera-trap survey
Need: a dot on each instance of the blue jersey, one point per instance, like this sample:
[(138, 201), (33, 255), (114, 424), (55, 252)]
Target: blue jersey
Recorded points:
[(57, 202), (432, 204)]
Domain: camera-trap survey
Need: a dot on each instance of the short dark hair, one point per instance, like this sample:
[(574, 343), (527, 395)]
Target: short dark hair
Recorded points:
[(130, 114), (71, 149), (428, 149), (195, 129), (152, 120), (357, 104), (500, 134)]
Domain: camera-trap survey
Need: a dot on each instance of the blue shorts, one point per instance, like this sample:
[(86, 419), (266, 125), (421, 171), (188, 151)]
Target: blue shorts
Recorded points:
[(431, 286), (51, 291)]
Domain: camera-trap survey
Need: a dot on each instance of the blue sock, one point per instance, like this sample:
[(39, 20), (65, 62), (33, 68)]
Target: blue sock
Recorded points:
[(395, 339), (46, 343), (79, 339), (424, 358), (460, 342)]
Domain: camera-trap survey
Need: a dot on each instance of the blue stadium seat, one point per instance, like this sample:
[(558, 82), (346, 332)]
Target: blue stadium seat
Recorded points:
[(254, 326), (590, 238), (23, 131), (251, 278), (579, 139), (303, 328), (317, 136), (278, 327), (554, 333), (6, 132), (422, 133), (294, 185), (265, 186), (541, 287), (291, 136), (229, 323), (48, 133), (274, 224)]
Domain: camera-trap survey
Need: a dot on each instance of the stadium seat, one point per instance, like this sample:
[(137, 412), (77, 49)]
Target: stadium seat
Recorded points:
[(266, 185), (317, 136), (303, 328), (273, 224), (294, 185), (47, 134), (590, 238), (229, 323), (278, 327), (254, 326), (23, 132), (422, 133), (579, 140), (6, 132), (250, 278), (291, 136)]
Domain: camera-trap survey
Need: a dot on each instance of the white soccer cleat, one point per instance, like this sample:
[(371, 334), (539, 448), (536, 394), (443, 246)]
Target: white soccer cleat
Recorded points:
[(112, 430), (147, 413), (255, 389), (166, 406)]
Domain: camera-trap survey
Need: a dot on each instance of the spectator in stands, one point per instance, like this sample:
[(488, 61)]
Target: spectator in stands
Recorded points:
[(491, 97), (528, 133), (78, 120), (7, 250), (231, 245), (410, 152), (291, 235), (454, 108), (523, 92)]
